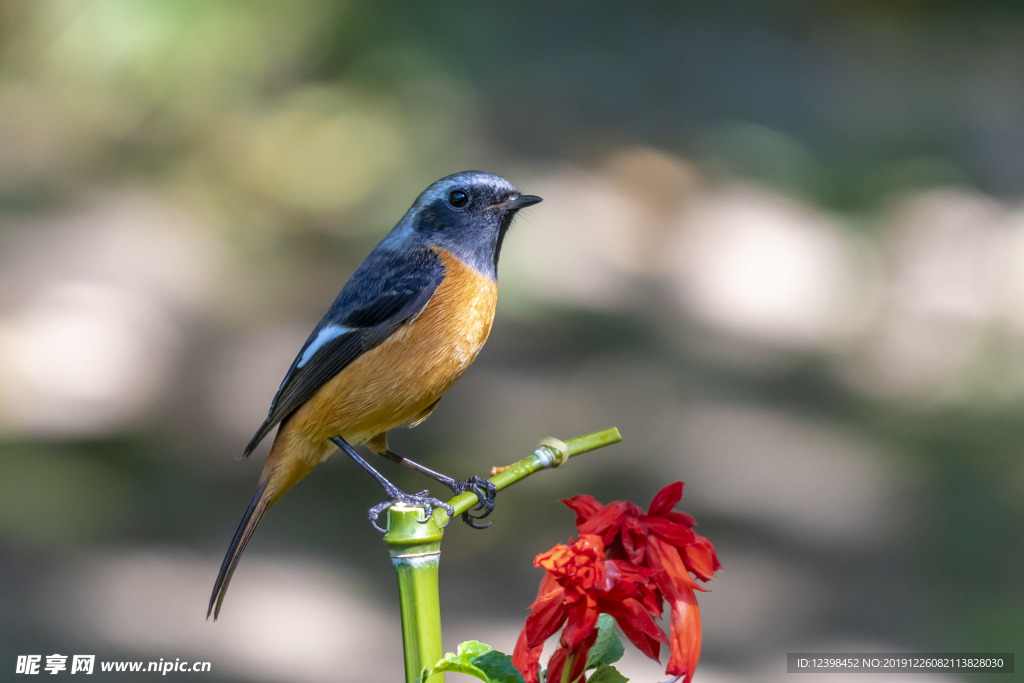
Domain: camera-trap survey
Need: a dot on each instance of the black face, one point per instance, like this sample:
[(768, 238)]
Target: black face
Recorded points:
[(467, 214), (465, 203)]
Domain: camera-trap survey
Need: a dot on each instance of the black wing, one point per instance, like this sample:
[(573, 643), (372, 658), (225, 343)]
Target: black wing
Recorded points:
[(388, 289)]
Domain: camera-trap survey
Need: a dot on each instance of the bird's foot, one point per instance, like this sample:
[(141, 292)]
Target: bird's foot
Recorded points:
[(483, 489), (485, 492), (420, 500)]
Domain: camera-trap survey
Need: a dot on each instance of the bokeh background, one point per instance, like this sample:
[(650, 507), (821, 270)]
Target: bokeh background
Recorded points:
[(781, 248)]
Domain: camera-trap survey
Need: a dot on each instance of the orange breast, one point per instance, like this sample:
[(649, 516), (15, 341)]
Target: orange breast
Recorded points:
[(397, 381)]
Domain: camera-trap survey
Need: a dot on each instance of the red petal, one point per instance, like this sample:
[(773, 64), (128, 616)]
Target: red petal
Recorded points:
[(547, 615), (526, 658), (637, 625), (624, 575), (557, 663), (605, 522), (685, 646), (580, 665), (581, 622), (673, 532), (671, 561), (679, 517), (547, 584), (666, 499), (562, 654), (553, 559), (701, 558), (585, 507), (634, 540)]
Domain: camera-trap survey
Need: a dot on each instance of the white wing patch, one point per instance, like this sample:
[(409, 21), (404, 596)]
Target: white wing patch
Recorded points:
[(325, 335)]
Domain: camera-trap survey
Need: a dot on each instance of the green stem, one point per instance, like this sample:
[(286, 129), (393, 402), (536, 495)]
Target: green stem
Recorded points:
[(545, 456), (415, 549), (567, 667)]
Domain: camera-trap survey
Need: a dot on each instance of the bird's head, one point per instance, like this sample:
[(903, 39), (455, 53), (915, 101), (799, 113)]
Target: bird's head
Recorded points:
[(468, 214)]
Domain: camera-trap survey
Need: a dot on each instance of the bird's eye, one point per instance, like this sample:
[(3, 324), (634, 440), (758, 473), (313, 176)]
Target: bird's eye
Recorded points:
[(458, 198)]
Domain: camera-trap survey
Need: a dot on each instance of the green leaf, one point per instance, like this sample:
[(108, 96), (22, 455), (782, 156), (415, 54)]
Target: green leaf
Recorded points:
[(607, 674), (607, 648), (477, 659), (472, 649), (498, 667)]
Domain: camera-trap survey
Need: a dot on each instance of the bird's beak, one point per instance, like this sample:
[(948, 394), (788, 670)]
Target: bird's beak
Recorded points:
[(516, 203)]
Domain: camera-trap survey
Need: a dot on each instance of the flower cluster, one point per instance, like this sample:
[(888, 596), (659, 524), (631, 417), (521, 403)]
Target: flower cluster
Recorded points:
[(626, 563)]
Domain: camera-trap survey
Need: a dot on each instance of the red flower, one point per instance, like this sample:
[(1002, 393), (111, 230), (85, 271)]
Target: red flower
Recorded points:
[(663, 542), (626, 563), (579, 585)]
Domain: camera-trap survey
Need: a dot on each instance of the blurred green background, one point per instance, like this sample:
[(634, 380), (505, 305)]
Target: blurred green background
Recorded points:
[(781, 248)]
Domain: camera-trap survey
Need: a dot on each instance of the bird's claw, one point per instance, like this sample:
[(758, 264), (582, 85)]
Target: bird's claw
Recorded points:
[(423, 500), (485, 492)]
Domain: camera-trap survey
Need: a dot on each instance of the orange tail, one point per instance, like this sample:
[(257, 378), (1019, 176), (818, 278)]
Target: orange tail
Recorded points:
[(281, 472)]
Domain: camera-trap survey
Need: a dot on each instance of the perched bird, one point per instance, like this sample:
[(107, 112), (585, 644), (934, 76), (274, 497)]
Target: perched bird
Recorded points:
[(402, 330)]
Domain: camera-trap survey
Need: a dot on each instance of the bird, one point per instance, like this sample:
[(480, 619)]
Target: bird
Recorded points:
[(406, 325)]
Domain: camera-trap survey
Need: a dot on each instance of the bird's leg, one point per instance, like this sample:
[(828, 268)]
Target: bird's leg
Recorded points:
[(395, 494), (484, 490)]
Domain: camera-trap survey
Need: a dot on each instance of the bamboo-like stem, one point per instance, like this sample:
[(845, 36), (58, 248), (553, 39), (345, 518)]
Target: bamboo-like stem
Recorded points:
[(415, 548), (545, 456)]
